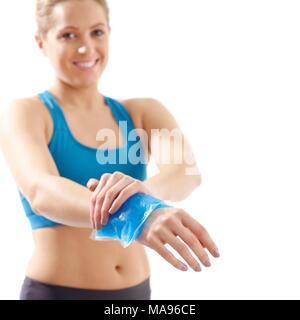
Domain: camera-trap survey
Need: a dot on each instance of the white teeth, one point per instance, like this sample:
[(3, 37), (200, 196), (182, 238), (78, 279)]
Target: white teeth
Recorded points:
[(86, 64)]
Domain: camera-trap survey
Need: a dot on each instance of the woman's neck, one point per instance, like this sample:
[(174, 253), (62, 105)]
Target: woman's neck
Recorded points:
[(78, 98)]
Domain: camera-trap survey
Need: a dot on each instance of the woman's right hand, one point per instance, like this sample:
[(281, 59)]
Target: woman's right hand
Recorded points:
[(163, 227)]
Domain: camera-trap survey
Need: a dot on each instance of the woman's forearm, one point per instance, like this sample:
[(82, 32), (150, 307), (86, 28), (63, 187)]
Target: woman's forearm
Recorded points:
[(172, 185), (63, 201), (67, 202)]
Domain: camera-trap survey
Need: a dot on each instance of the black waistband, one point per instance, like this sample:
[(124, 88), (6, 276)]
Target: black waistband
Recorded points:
[(36, 290)]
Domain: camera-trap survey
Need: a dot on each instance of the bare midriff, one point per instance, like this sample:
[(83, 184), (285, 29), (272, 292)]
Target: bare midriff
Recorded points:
[(66, 256)]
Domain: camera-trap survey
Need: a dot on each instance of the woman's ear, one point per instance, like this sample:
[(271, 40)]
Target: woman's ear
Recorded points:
[(40, 43)]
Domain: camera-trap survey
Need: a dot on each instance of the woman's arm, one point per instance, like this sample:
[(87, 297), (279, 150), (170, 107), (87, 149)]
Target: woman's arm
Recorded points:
[(178, 172), (24, 145)]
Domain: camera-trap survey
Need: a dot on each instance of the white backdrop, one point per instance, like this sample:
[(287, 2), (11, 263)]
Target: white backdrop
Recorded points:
[(230, 73)]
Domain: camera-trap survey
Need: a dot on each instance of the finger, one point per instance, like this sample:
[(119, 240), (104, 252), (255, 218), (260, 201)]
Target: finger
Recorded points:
[(92, 184), (102, 182), (191, 240), (110, 180), (95, 200), (201, 234), (124, 195), (110, 195), (168, 237), (158, 246)]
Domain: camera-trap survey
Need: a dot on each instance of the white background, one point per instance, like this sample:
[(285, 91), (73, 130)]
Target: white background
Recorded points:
[(230, 73)]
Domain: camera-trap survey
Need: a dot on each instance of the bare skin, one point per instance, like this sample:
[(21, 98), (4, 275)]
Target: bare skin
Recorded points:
[(65, 255)]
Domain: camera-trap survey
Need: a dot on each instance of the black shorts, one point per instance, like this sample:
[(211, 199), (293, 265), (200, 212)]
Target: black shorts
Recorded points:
[(36, 290)]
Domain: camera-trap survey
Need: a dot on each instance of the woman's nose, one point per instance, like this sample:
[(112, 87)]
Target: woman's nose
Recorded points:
[(85, 48), (82, 50)]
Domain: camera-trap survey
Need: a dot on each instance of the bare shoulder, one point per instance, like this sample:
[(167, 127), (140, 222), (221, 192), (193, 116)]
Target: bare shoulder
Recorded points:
[(141, 104), (140, 109), (28, 111), (29, 106)]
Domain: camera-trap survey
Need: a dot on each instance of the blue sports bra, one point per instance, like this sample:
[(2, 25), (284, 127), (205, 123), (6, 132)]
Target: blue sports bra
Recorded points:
[(79, 162)]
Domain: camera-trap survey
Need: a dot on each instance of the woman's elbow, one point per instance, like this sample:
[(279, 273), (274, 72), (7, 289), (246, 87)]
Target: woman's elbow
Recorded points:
[(34, 197), (194, 182), (193, 178), (191, 183), (198, 180)]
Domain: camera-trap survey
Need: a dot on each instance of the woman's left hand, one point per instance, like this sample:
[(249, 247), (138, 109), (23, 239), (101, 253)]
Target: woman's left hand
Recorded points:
[(109, 193)]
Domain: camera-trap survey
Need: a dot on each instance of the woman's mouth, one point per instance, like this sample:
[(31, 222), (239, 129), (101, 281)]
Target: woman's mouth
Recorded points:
[(86, 65)]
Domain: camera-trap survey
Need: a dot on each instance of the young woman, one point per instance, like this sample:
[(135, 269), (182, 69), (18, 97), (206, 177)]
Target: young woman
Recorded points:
[(49, 142)]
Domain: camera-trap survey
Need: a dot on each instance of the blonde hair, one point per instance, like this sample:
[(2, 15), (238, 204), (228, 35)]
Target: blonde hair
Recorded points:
[(44, 10)]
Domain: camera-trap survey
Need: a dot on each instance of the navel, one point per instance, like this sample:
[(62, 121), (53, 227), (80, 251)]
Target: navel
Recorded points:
[(118, 268)]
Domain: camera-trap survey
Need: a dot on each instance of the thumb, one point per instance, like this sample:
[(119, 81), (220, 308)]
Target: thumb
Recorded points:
[(92, 184)]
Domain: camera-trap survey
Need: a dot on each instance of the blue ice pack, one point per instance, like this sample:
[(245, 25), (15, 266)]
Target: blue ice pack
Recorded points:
[(127, 223)]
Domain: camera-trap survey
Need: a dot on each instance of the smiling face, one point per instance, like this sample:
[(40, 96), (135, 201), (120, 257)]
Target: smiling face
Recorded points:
[(77, 42)]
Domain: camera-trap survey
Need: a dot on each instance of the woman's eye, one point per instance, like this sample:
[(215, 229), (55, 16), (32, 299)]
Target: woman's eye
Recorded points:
[(70, 35), (98, 32), (66, 35)]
